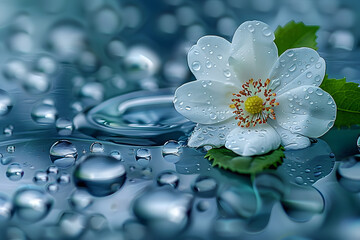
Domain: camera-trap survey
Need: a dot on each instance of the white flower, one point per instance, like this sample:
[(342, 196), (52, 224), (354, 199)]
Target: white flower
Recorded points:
[(249, 99)]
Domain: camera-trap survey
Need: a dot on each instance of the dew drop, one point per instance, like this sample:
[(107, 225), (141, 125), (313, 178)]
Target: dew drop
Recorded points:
[(251, 28), (196, 66), (292, 68), (266, 31)]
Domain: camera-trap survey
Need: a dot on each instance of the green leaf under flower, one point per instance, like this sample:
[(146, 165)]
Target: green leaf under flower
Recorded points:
[(295, 35), (347, 99), (228, 160)]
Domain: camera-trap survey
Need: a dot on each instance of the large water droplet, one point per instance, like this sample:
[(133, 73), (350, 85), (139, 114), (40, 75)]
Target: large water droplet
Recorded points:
[(32, 204), (165, 212), (100, 175), (63, 153)]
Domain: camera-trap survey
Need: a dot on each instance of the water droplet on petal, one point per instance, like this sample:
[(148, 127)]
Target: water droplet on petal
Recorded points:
[(14, 172)]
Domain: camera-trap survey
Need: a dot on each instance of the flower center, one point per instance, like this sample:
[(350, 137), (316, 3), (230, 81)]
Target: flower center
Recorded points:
[(254, 103)]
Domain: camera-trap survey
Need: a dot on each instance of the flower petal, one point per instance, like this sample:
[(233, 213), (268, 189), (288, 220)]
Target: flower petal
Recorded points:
[(205, 101), (253, 51), (297, 67), (307, 110), (253, 141), (214, 134), (208, 59), (289, 140)]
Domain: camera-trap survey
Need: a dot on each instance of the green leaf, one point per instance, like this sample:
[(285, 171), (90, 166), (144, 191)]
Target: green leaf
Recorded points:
[(227, 159), (295, 35), (347, 99)]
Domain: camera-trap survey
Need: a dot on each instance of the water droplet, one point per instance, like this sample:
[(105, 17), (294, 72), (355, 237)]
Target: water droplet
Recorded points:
[(44, 113), (171, 151), (196, 66), (5, 103), (164, 211), (52, 187), (266, 31), (15, 70), (32, 204), (63, 153), (116, 154), (36, 83), (72, 225), (106, 20), (64, 178), (318, 65), (7, 209), (309, 74), (100, 175), (219, 57), (188, 108), (64, 127), (46, 65), (292, 68), (96, 147), (40, 177), (168, 178), (251, 28), (6, 160), (8, 130), (205, 186), (143, 156), (213, 116), (52, 170), (80, 200), (98, 222), (319, 92), (202, 205), (14, 172), (290, 53), (10, 149), (299, 180), (227, 73), (310, 90), (208, 64)]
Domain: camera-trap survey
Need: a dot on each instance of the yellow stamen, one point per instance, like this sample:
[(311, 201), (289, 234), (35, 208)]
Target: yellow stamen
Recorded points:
[(232, 106), (253, 104)]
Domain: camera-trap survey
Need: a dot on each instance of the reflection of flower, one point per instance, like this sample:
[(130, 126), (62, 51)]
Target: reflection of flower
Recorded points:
[(249, 99)]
